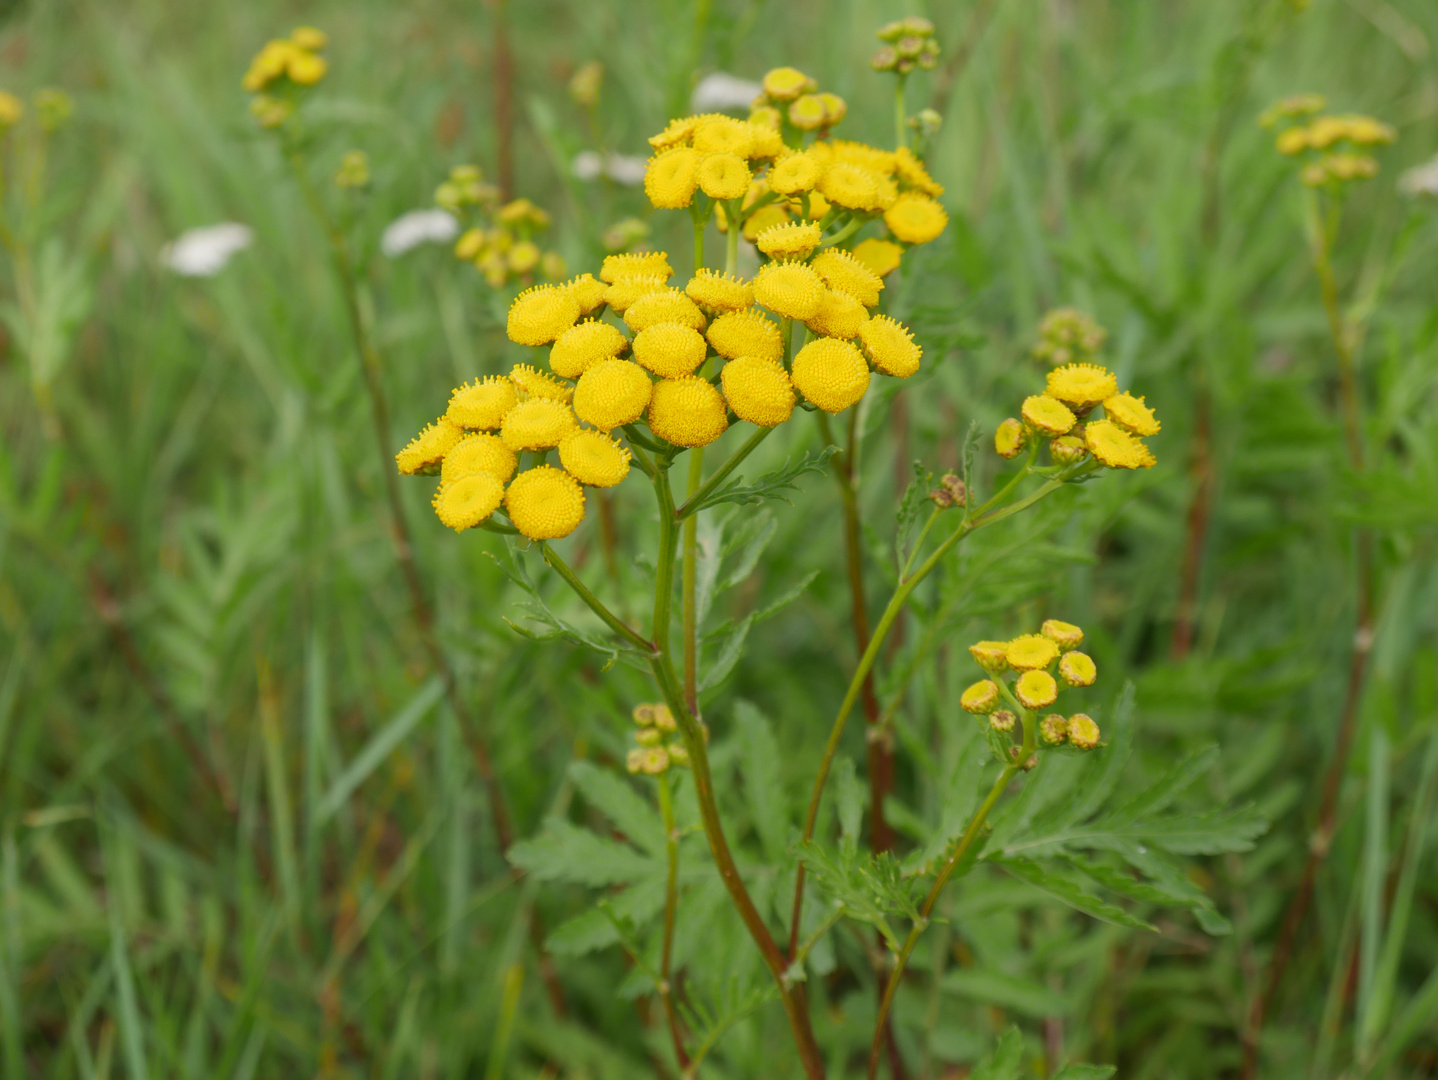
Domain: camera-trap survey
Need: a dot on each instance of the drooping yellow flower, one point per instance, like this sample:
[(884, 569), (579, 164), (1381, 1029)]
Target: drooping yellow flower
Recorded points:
[(839, 315), (890, 346), (1077, 669), (687, 411), (1065, 635), (669, 306), (790, 241), (719, 292), (533, 383), (1083, 732), (789, 289), (912, 172), (915, 218), (612, 393), (840, 270), (1029, 652), (636, 264), (724, 176), (465, 502), (672, 177), (582, 346), (482, 403), (588, 292), (851, 186), (627, 290), (594, 458), (981, 698), (537, 424), (1009, 438), (758, 390), (1115, 447), (545, 503), (785, 83), (670, 350), (427, 449), (880, 256), (1131, 414), (831, 374), (1047, 415), (541, 313), (992, 656), (794, 174), (1036, 689), (478, 453), (746, 333), (1082, 385), (719, 134)]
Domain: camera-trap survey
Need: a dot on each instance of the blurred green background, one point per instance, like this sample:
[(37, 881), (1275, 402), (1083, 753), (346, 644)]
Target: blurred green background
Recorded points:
[(241, 834)]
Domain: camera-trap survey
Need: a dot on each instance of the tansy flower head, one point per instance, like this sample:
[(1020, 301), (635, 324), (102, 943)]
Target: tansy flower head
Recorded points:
[(533, 383), (588, 292), (766, 217), (794, 174), (612, 393), (636, 264), (831, 374), (877, 161), (980, 699), (912, 172), (835, 107), (1031, 651), (482, 403), (463, 503), (791, 241), (766, 143), (839, 315), (478, 453), (719, 292), (1047, 415), (1082, 385), (1115, 447), (758, 390), (724, 176), (1065, 635), (540, 314), (720, 134), (672, 178), (746, 333), (1293, 141), (890, 346), (785, 83), (1068, 450), (305, 68), (915, 218), (524, 257), (880, 256), (594, 458), (310, 38), (582, 346), (1083, 732), (537, 424), (1077, 669), (669, 349), (840, 270), (669, 306), (1036, 689), (992, 656), (807, 112), (1053, 729), (627, 290), (678, 131), (789, 289), (768, 118), (1131, 414), (545, 503), (424, 452), (1009, 438), (687, 411), (851, 186)]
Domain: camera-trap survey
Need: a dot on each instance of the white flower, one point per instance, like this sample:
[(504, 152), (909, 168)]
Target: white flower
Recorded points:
[(418, 227), (1421, 179), (204, 252), (721, 91), (621, 168)]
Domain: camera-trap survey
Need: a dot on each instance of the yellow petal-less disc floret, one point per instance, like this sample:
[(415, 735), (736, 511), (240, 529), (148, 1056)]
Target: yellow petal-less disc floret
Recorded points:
[(687, 411), (878, 161), (785, 83), (840, 270), (880, 256), (463, 503), (427, 449), (612, 393), (839, 315), (795, 174), (992, 656), (540, 314), (533, 383), (670, 350), (1077, 669), (1115, 447), (831, 374), (479, 453), (1029, 652), (581, 347), (1131, 414), (758, 390), (912, 172), (1009, 438), (807, 112), (746, 333), (1065, 635), (676, 132), (669, 306), (1082, 385), (672, 177), (545, 503), (636, 264), (594, 458), (537, 424), (724, 176), (719, 134), (627, 290), (980, 699), (588, 292), (482, 403), (767, 143), (792, 241), (791, 290), (1036, 689), (1083, 732), (890, 346), (915, 218), (851, 186), (719, 292), (1048, 415)]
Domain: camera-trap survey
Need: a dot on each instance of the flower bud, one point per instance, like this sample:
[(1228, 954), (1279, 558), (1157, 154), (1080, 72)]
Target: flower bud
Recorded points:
[(1065, 635), (949, 493), (634, 760), (1083, 732), (1009, 438), (992, 656), (884, 58), (1002, 720), (927, 122), (891, 32), (654, 761), (644, 715), (664, 719), (585, 83), (1029, 764), (917, 25), (1053, 729), (981, 698), (909, 47), (1067, 450), (678, 755), (649, 737)]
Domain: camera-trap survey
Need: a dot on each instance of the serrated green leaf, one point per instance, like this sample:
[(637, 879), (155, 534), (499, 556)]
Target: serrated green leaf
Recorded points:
[(614, 797), (1006, 991), (1157, 796), (567, 852), (911, 504), (1166, 893), (846, 880), (594, 929), (1119, 734), (1005, 1062), (728, 655), (849, 795), (763, 785), (769, 486), (1065, 889)]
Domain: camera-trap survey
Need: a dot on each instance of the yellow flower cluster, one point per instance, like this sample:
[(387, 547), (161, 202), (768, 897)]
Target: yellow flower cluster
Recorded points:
[(281, 66), (1332, 147), (12, 110), (1067, 335), (503, 244), (1033, 658), (657, 746), (1062, 414)]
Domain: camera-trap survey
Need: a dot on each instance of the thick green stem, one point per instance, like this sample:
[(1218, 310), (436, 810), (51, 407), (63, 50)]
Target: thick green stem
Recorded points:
[(901, 115), (671, 907), (686, 588)]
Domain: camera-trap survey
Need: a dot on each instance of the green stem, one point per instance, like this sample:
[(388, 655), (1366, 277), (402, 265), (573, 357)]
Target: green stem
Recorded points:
[(1319, 237), (595, 604), (695, 502), (664, 567), (687, 585), (671, 906), (901, 115), (853, 225), (731, 239)]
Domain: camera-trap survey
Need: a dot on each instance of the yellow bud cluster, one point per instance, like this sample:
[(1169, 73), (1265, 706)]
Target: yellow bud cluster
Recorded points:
[(1063, 415), (1067, 335), (294, 60), (1332, 147), (1032, 659), (505, 247)]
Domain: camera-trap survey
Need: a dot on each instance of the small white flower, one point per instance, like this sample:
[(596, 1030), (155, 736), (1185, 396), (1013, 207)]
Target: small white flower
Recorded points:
[(204, 252), (721, 91), (1421, 179), (418, 227), (621, 168)]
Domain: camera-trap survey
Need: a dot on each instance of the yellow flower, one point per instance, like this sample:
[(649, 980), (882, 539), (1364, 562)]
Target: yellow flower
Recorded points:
[(794, 174), (724, 176), (533, 383), (12, 110), (719, 292), (482, 403), (1036, 689), (672, 178), (916, 219), (1065, 635), (427, 449), (1083, 732), (627, 290), (746, 333), (594, 458), (687, 411), (1081, 385), (669, 349), (831, 374), (789, 289), (669, 306), (470, 244), (537, 424), (1047, 415), (1115, 447), (1009, 438), (840, 270), (478, 454), (880, 256), (677, 132), (1131, 414), (463, 503), (720, 134), (1031, 651), (587, 292), (912, 172), (992, 656), (1053, 729), (541, 313), (1293, 141), (545, 503), (851, 186), (758, 390), (582, 346), (785, 83), (767, 143), (1325, 131), (835, 108), (839, 316), (890, 346), (981, 699), (807, 112), (305, 69), (612, 393), (524, 257), (769, 118), (268, 65), (877, 161), (1077, 669), (789, 241), (307, 37), (765, 217), (635, 264), (1366, 131)]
